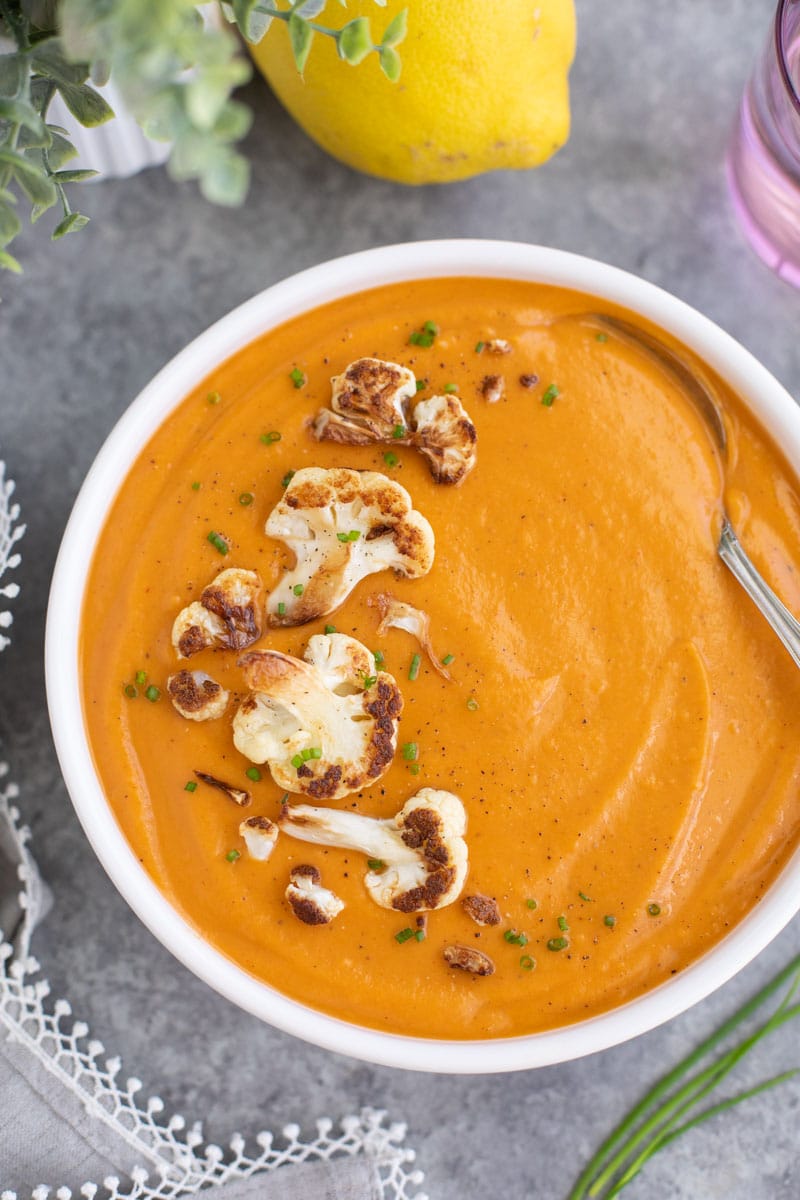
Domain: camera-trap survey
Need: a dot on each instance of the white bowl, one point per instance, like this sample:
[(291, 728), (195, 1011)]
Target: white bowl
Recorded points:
[(772, 405)]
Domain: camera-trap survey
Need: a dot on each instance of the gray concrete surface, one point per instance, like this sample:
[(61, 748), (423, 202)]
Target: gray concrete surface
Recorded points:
[(640, 185)]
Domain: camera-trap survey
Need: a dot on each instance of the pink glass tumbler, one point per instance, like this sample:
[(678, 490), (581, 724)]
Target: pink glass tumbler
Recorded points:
[(764, 156)]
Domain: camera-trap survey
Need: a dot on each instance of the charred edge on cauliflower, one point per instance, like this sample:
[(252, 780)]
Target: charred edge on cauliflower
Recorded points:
[(196, 695), (309, 901), (237, 795)]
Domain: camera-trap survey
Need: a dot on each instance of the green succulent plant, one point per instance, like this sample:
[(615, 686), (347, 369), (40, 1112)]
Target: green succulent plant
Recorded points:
[(175, 71)]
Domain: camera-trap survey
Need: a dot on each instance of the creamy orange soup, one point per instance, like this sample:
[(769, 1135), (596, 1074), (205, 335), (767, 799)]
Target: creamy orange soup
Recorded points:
[(622, 727)]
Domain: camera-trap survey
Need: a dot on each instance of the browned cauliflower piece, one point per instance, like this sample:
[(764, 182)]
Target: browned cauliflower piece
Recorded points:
[(260, 836), (227, 615), (368, 403), (310, 902), (421, 850), (396, 614), (372, 402), (325, 727), (342, 526), (446, 437), (196, 696)]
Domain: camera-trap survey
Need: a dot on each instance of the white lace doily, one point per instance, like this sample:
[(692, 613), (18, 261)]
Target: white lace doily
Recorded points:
[(10, 533), (175, 1160)]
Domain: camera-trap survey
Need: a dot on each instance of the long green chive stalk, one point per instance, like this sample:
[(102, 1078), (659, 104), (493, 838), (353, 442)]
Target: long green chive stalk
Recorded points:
[(655, 1121)]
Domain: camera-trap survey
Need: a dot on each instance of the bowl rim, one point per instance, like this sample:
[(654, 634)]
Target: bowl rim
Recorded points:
[(280, 302)]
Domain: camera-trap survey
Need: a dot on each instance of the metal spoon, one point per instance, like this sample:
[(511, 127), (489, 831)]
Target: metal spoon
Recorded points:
[(729, 547)]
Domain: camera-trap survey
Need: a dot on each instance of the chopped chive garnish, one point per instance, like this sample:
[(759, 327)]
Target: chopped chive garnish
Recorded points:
[(217, 541), (287, 479), (196, 486), (270, 438), (399, 431), (583, 896), (352, 536), (191, 786), (420, 385), (549, 396), (246, 498), (140, 677), (654, 910), (414, 768), (531, 903), (404, 935), (232, 855), (609, 921), (390, 458), (479, 346), (297, 761), (379, 659), (152, 694), (376, 864), (370, 681), (213, 397), (330, 629), (527, 963), (298, 589), (411, 751), (315, 752), (562, 924), (253, 773), (472, 704), (448, 658), (515, 938), (413, 670), (130, 691), (431, 327), (281, 608), (419, 934), (297, 377), (601, 337), (450, 387), (559, 943)]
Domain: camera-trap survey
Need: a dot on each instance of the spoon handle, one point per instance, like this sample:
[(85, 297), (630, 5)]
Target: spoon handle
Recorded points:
[(785, 625)]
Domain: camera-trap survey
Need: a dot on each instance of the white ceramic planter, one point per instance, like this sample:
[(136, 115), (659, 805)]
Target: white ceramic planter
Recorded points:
[(769, 401)]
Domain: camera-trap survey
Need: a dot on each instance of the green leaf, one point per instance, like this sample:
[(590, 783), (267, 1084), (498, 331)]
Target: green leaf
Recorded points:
[(20, 113), (396, 30), (60, 151), (233, 122), (300, 36), (71, 224), (48, 59), (309, 8), (226, 180), (12, 74), (85, 104), (390, 63), (74, 176), (34, 141), (354, 41), (10, 225), (7, 263), (30, 177), (252, 24)]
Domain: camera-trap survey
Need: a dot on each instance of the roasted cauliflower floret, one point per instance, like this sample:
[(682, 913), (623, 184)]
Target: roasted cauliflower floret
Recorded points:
[(196, 696), (372, 402), (422, 850), (446, 437), (342, 525), (310, 902), (227, 615), (260, 836), (325, 727), (396, 614), (368, 403)]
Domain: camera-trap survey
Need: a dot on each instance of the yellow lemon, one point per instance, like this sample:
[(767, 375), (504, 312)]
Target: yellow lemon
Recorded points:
[(483, 85)]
